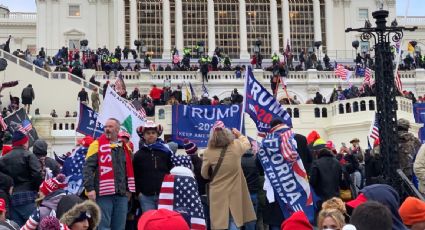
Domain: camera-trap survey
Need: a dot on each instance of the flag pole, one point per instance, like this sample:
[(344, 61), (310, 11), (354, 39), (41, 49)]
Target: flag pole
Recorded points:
[(401, 42), (244, 98)]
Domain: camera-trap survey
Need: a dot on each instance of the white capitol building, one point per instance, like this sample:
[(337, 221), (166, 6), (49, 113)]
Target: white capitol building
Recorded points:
[(182, 23)]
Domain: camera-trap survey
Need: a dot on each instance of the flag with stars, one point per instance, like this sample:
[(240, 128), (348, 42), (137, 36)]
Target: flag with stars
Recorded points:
[(19, 121), (181, 192), (73, 170), (181, 160), (32, 222)]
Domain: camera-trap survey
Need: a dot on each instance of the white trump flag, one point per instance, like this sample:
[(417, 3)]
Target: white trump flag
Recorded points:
[(121, 109)]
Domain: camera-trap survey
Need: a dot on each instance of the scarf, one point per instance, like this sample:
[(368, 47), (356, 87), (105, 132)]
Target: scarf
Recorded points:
[(106, 169), (160, 146)]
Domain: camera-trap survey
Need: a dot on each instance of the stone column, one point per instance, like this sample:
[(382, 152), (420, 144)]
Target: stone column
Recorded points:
[(119, 24), (274, 27), (134, 32), (286, 23), (179, 26), (166, 26), (317, 26), (329, 7), (243, 37), (211, 28)]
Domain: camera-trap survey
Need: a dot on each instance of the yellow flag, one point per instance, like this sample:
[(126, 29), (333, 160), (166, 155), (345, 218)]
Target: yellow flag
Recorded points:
[(187, 94)]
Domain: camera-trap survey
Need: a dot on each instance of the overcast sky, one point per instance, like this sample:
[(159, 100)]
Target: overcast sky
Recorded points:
[(416, 8)]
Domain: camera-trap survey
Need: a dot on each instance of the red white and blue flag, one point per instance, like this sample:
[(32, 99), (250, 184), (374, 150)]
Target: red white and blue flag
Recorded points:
[(368, 77), (282, 166), (374, 129), (181, 192), (26, 126), (342, 72)]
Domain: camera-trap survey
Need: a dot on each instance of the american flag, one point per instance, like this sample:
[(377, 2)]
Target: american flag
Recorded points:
[(368, 77), (3, 124), (73, 170), (374, 129), (398, 83), (32, 222), (204, 88), (139, 108), (287, 144), (181, 192), (25, 127), (181, 160), (341, 72)]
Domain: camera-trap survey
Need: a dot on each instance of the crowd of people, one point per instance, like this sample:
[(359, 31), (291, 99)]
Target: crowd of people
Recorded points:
[(107, 184)]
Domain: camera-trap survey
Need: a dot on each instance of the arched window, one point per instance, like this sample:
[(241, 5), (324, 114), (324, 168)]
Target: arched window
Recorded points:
[(348, 108), (362, 106), (324, 112), (372, 105), (289, 110), (296, 113), (60, 126), (316, 112), (341, 109), (355, 106)]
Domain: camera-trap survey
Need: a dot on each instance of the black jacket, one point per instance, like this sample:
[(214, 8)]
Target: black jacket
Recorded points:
[(24, 168), (197, 165), (251, 170), (304, 152), (6, 183), (325, 175), (373, 169), (150, 166)]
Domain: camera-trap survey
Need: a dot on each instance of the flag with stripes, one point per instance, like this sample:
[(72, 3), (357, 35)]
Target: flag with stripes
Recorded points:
[(368, 77), (205, 90), (398, 83), (139, 108), (181, 192), (341, 72), (120, 86), (3, 124), (374, 129), (19, 121), (26, 126), (33, 221)]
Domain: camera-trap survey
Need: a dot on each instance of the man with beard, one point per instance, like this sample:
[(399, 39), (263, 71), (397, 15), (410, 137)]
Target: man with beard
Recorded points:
[(108, 176)]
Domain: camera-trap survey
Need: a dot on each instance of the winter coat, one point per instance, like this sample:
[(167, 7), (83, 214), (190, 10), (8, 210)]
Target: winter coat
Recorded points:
[(6, 183), (91, 168), (95, 101), (150, 166), (74, 213), (387, 196), (419, 168), (228, 191), (304, 152), (408, 146), (24, 168), (373, 167), (197, 166), (251, 170), (325, 175), (50, 203), (27, 95)]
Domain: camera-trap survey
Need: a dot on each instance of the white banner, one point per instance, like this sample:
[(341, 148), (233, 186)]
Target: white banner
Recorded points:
[(119, 108)]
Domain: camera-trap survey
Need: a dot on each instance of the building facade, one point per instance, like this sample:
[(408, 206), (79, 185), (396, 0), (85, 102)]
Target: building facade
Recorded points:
[(232, 25)]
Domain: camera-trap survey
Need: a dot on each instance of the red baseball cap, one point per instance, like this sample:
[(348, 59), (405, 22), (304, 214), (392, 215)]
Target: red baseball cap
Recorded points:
[(2, 205), (162, 219), (358, 201)]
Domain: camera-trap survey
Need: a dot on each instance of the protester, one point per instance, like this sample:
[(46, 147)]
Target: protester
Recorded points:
[(372, 216), (83, 97), (27, 97), (25, 170), (298, 221), (4, 222), (151, 163), (412, 212), (385, 195), (230, 203), (108, 176), (48, 165), (95, 101), (77, 214), (6, 187), (419, 168), (155, 94), (330, 219), (408, 146), (162, 219), (304, 151)]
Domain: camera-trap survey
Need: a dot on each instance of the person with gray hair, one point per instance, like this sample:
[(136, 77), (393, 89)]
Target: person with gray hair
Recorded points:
[(230, 204)]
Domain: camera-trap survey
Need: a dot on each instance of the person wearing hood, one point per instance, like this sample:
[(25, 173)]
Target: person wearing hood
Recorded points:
[(77, 214), (326, 175), (385, 195), (151, 163), (48, 164), (372, 215), (304, 151), (50, 193)]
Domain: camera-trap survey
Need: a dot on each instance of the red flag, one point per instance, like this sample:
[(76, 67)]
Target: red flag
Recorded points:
[(368, 77), (398, 83), (341, 72)]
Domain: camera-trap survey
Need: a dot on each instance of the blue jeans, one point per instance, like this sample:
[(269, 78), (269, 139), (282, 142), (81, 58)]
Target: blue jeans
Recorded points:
[(148, 202), (232, 224), (21, 213), (114, 212), (252, 225), (274, 227)]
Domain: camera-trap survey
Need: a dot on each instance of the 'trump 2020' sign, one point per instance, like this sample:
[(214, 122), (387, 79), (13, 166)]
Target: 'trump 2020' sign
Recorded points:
[(195, 122)]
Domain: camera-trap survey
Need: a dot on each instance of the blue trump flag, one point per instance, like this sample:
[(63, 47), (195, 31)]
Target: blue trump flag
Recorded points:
[(261, 106), (87, 122), (195, 122), (285, 172), (419, 113)]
